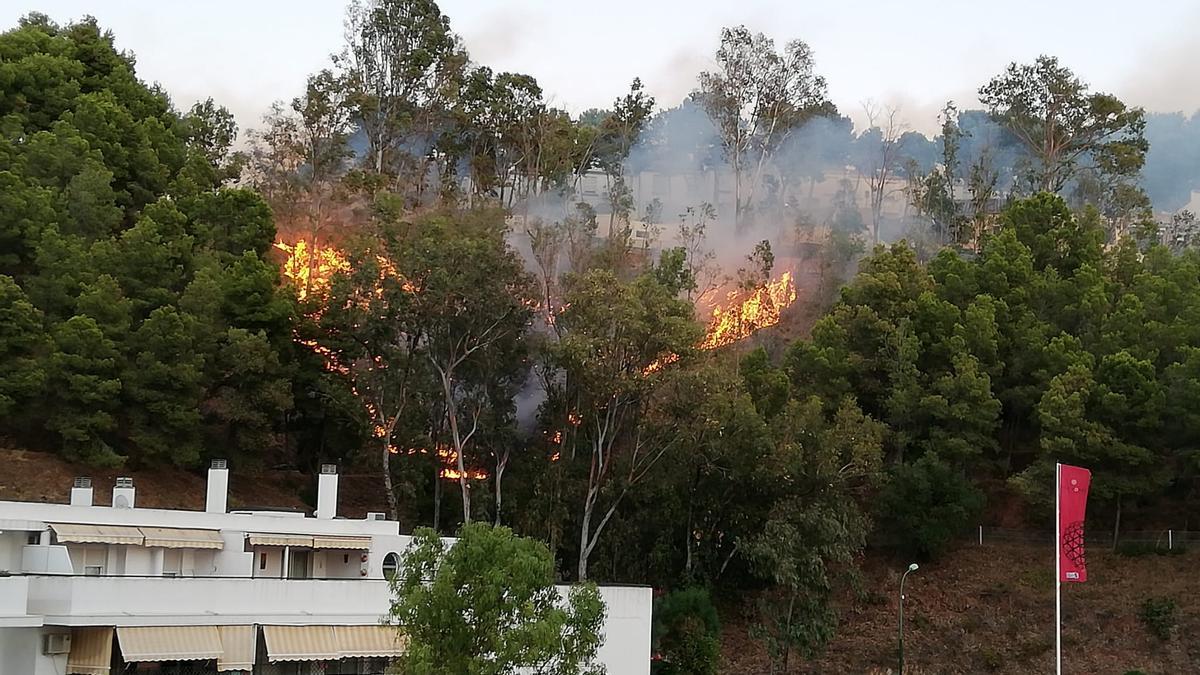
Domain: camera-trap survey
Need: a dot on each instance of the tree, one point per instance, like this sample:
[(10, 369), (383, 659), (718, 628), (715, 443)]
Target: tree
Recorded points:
[(925, 505), (880, 160), (399, 61), (163, 386), (618, 133), (487, 604), (83, 374), (1065, 128), (471, 297), (815, 527), (612, 334), (21, 343), (756, 98), (686, 633)]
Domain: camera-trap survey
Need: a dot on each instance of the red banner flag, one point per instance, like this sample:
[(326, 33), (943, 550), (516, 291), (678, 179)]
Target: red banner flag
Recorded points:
[(1073, 485)]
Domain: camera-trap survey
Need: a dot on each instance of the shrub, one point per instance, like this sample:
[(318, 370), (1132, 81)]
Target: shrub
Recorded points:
[(1159, 616), (686, 633), (926, 504)]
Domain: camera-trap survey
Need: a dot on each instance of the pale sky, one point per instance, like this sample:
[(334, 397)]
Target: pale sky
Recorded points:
[(913, 54)]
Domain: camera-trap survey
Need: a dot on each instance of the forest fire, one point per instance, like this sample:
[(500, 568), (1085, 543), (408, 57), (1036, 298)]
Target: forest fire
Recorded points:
[(311, 267), (743, 317), (449, 461)]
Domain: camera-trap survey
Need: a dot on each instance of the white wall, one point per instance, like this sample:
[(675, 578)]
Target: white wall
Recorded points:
[(19, 648), (11, 543), (626, 646)]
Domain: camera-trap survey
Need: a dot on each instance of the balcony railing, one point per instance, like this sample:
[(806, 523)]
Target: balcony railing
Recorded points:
[(206, 600)]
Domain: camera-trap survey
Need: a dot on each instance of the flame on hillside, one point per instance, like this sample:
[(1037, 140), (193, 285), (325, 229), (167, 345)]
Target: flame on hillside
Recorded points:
[(745, 314), (311, 267)]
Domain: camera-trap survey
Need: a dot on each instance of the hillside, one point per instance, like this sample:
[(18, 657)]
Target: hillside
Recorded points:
[(42, 477), (981, 609), (990, 609)]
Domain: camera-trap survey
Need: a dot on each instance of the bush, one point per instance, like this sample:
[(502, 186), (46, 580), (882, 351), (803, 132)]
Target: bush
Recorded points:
[(925, 505), (686, 634), (1159, 616)]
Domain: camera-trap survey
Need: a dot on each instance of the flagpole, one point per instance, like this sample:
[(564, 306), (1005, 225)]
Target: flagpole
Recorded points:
[(1057, 570)]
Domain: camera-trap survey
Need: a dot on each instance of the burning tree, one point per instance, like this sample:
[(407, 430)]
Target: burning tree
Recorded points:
[(434, 307)]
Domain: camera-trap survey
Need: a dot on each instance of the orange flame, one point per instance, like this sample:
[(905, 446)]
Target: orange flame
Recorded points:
[(760, 310), (311, 266)]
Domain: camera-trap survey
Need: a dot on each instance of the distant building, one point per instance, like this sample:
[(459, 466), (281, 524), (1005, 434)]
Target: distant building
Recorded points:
[(98, 590)]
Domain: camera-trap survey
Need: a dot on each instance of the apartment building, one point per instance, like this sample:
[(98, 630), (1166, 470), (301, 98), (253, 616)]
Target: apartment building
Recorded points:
[(88, 589)]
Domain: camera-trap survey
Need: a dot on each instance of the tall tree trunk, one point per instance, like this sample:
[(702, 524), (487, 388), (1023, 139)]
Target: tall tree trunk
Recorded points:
[(501, 464), (452, 418), (437, 495), (584, 531), (393, 508)]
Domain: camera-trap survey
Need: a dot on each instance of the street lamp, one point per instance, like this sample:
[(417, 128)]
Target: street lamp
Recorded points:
[(911, 568)]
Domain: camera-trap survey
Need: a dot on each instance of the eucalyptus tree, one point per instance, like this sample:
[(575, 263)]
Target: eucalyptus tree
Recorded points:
[(757, 97), (1067, 129)]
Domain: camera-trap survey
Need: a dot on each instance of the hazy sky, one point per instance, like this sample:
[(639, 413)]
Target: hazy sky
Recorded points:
[(914, 54)]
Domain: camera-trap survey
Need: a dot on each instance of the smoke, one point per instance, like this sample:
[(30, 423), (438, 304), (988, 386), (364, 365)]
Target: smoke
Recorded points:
[(1164, 76)]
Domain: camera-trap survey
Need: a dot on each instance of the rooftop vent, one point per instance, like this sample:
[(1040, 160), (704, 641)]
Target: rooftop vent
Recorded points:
[(81, 491), (327, 491), (219, 464), (123, 493)]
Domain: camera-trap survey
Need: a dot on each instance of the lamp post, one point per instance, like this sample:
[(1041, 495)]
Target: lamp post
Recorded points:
[(911, 568)]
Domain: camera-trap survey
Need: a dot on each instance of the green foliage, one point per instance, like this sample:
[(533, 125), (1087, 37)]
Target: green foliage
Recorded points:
[(686, 633), (126, 265), (1160, 616), (924, 506), (487, 604)]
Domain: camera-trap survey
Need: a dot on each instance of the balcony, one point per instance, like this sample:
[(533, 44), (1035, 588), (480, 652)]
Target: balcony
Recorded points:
[(157, 601)]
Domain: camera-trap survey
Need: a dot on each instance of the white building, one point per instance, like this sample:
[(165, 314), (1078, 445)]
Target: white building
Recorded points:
[(92, 590)]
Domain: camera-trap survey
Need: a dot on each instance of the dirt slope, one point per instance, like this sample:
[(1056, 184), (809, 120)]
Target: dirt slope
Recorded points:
[(991, 610)]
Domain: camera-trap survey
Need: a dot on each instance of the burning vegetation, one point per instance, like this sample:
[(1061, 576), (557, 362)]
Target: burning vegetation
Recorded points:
[(311, 267), (745, 314)]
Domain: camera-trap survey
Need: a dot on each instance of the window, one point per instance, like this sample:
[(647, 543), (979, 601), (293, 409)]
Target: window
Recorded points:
[(391, 563), (33, 538), (298, 564), (262, 560), (93, 570), (172, 563)]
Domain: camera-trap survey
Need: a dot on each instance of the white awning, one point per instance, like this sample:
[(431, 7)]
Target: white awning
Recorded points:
[(72, 533), (169, 643), (170, 537), (298, 540), (239, 647), (342, 543), (301, 643), (356, 641), (91, 651)]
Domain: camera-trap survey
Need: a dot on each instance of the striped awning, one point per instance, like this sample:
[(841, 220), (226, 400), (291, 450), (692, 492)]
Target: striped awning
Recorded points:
[(342, 543), (169, 643), (239, 645), (301, 643), (91, 651), (73, 533), (298, 540), (356, 641), (170, 537)]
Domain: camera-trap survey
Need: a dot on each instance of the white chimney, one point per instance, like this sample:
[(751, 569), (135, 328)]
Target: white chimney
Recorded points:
[(122, 497), (81, 492), (218, 487), (327, 492)]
